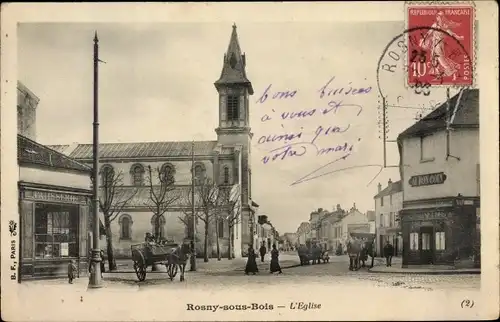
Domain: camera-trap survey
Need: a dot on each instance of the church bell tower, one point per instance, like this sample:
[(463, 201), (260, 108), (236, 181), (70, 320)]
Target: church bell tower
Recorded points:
[(234, 89), (233, 131)]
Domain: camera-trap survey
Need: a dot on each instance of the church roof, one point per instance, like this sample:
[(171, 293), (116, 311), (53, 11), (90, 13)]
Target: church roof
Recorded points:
[(233, 69), (463, 111), (31, 152), (142, 149)]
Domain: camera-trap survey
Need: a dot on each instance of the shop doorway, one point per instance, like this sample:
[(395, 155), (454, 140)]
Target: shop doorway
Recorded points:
[(426, 247)]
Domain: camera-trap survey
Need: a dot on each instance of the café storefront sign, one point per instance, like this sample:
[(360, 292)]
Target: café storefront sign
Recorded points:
[(49, 196), (427, 179)]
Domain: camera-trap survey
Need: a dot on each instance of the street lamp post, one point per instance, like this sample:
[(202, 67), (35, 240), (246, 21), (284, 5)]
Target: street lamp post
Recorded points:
[(193, 215), (95, 273)]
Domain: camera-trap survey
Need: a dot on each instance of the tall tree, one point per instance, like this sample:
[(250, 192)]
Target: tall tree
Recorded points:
[(206, 202), (113, 199), (162, 194)]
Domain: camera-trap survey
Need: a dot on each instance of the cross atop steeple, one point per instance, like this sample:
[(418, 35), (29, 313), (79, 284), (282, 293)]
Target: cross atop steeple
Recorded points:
[(233, 68)]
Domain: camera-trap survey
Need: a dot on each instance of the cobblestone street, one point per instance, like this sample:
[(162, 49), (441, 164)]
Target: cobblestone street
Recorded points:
[(224, 273)]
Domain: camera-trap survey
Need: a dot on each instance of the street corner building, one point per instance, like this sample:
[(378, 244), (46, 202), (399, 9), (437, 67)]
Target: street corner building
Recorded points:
[(439, 167), (54, 198), (226, 161)]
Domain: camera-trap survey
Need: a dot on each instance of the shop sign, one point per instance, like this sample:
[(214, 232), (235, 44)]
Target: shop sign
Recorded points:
[(427, 179), (430, 215), (55, 197)]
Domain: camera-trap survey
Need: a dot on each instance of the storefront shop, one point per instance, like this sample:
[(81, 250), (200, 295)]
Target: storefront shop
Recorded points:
[(54, 199), (440, 231), (53, 231)]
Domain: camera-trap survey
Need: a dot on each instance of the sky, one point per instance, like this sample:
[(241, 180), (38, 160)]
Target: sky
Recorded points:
[(157, 85)]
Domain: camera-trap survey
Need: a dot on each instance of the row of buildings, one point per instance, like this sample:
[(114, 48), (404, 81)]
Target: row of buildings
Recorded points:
[(331, 229), (55, 184), (432, 215)]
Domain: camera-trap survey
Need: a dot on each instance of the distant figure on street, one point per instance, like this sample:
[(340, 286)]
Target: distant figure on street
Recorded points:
[(388, 253), (262, 252), (251, 266), (275, 263), (103, 267), (71, 271)]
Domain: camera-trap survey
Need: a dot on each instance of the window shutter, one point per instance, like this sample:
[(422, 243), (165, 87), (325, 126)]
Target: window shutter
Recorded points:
[(27, 229), (83, 229)]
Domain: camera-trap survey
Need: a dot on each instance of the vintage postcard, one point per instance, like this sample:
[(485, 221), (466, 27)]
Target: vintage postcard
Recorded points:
[(249, 161)]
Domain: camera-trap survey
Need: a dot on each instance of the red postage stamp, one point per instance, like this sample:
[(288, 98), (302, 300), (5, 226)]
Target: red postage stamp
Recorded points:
[(440, 45)]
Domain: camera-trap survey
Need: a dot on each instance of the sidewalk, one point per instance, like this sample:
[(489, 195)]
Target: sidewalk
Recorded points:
[(287, 260), (396, 268)]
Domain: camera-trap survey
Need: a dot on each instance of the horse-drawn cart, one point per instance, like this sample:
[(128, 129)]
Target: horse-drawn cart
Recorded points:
[(148, 254), (359, 250)]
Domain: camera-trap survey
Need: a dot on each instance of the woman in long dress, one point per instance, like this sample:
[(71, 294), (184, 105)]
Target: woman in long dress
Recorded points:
[(251, 266), (275, 264)]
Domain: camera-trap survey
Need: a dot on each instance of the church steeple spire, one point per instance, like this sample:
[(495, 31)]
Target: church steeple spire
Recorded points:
[(233, 68)]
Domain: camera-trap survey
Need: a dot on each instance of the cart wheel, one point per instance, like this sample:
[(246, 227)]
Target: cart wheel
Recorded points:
[(171, 270), (140, 270)]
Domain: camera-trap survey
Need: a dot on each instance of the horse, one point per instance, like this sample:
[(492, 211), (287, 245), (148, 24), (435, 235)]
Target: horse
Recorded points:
[(316, 253), (366, 251), (353, 249), (178, 259), (303, 252)]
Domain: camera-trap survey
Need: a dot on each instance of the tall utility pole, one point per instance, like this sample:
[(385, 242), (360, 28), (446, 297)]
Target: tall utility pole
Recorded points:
[(193, 216), (95, 275)]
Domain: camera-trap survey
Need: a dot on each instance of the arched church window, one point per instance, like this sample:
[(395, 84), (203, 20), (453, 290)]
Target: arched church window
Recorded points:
[(233, 107), (137, 172), (158, 226), (168, 173), (226, 175), (125, 223), (199, 172), (107, 175)]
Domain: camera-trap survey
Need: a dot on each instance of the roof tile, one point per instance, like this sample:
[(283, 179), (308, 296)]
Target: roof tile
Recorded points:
[(31, 152), (141, 149), (467, 114)]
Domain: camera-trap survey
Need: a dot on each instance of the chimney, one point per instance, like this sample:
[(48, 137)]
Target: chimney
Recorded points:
[(379, 187), (320, 210)]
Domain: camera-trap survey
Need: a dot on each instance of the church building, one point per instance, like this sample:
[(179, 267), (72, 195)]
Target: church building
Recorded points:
[(226, 160)]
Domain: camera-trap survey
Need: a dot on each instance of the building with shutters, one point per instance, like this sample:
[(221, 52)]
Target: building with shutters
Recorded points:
[(54, 199), (439, 168), (388, 203), (226, 160)]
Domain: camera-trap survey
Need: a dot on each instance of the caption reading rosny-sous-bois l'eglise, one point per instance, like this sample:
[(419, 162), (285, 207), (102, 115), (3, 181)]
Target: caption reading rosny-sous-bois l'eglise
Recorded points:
[(302, 306)]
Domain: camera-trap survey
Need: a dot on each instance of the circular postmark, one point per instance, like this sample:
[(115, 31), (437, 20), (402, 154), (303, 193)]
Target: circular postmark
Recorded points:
[(416, 72)]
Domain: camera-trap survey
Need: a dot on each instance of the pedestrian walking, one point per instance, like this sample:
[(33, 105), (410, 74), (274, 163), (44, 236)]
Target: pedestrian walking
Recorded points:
[(71, 271), (262, 252), (388, 253), (103, 267), (275, 263), (251, 266)]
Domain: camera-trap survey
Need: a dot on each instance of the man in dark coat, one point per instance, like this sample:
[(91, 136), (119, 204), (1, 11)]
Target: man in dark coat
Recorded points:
[(388, 253), (275, 263), (262, 251), (251, 266)]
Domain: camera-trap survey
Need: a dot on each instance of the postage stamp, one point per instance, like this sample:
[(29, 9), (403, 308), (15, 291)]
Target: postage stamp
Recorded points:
[(441, 44)]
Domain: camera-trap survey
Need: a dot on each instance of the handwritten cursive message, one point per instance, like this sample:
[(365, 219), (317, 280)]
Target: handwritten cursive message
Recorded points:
[(333, 117)]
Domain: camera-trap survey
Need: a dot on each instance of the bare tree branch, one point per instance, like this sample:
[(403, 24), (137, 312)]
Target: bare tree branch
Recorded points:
[(162, 193)]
